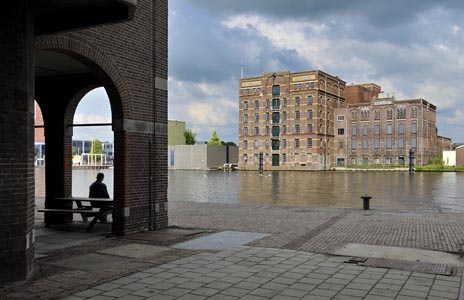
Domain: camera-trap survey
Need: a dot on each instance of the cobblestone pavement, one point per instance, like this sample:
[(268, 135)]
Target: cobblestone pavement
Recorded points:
[(293, 262), (252, 273), (323, 230)]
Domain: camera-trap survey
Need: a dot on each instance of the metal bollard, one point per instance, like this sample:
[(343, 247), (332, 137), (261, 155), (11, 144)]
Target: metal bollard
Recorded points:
[(366, 198)]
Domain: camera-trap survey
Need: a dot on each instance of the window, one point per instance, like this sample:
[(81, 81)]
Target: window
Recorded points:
[(256, 130), (297, 100), (354, 116), (310, 100), (245, 105), (275, 144), (389, 114), (365, 115), (275, 117), (313, 84), (245, 144), (245, 130), (266, 130), (284, 115), (256, 158), (245, 118), (376, 114), (256, 117), (340, 162), (275, 90), (256, 103), (275, 104), (340, 145), (376, 129), (284, 143), (256, 144), (353, 130), (268, 103), (297, 114), (310, 114), (309, 143), (389, 143), (307, 85), (310, 127), (401, 128), (413, 112), (413, 142), (245, 158), (297, 143), (376, 143), (388, 160), (284, 157), (275, 160), (365, 129), (284, 129), (340, 118), (268, 158), (275, 131), (353, 144), (267, 117), (284, 101), (297, 128), (341, 131), (389, 129), (266, 144), (365, 143), (400, 143), (401, 113), (413, 127)]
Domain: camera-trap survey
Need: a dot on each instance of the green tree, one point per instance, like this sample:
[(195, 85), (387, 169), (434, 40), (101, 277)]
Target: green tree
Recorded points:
[(228, 143), (190, 137), (214, 139), (97, 147)]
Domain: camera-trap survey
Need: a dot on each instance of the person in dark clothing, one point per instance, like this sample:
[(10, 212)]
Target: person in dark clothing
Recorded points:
[(98, 190)]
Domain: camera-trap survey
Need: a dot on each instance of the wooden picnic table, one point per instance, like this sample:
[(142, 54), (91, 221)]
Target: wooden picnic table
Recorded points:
[(83, 210)]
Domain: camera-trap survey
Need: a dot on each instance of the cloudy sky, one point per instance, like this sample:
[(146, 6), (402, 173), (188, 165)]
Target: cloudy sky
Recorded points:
[(413, 48)]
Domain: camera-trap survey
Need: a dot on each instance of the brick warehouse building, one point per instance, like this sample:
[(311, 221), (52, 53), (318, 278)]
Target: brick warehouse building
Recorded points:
[(55, 52), (312, 121), (376, 129), (288, 116)]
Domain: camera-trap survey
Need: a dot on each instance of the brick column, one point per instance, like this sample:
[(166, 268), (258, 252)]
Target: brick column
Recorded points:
[(16, 141)]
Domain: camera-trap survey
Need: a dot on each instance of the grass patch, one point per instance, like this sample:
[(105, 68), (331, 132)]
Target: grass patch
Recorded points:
[(438, 168)]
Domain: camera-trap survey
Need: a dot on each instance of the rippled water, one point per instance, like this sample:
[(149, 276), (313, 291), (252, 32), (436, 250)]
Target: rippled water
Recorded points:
[(396, 191)]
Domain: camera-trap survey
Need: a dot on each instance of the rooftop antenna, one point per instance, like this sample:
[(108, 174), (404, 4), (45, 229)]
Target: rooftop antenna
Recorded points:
[(241, 69)]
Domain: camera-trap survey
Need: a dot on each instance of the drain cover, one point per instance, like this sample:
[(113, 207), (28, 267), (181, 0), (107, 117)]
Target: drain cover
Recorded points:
[(407, 265)]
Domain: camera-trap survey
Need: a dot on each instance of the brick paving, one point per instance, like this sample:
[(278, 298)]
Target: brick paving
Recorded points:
[(293, 262), (289, 225)]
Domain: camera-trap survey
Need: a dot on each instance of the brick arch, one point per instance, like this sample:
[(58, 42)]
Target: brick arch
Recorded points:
[(99, 63)]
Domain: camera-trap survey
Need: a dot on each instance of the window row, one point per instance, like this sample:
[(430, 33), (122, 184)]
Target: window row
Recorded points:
[(400, 114), (388, 143), (276, 116), (276, 129), (276, 144), (388, 129)]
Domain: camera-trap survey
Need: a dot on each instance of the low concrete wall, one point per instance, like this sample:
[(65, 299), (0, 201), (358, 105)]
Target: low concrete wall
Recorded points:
[(200, 157)]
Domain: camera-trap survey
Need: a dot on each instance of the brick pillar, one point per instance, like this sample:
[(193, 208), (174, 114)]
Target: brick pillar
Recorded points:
[(16, 141)]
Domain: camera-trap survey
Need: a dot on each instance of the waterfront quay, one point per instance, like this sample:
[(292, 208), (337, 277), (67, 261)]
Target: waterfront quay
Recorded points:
[(296, 253)]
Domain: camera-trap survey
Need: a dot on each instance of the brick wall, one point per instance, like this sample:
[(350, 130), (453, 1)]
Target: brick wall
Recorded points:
[(130, 60)]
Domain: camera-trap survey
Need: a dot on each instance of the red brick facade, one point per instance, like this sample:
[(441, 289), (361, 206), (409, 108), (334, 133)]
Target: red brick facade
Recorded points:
[(129, 59)]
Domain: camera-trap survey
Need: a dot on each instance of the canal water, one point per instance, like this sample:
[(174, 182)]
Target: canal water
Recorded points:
[(390, 191)]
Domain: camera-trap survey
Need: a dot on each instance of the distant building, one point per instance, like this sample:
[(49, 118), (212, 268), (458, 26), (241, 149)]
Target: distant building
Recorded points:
[(311, 120), (289, 117), (201, 157), (176, 131)]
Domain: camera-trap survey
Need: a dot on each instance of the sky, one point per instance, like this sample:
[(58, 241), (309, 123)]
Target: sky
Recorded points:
[(412, 48)]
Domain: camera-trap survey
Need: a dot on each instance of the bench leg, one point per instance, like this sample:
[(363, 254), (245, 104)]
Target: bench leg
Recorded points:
[(94, 220)]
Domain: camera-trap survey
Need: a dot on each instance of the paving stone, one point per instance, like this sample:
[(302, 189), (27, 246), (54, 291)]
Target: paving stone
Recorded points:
[(275, 286), (107, 286), (382, 292), (176, 292), (331, 286), (132, 297), (253, 297), (411, 293), (100, 297), (303, 286), (353, 292), (134, 286), (414, 287), (147, 292), (264, 292), (359, 286), (447, 283), (322, 292), (117, 293), (442, 294), (294, 292), (232, 291), (191, 285), (204, 291), (307, 280), (222, 297), (191, 297), (218, 285), (444, 288), (377, 297), (88, 293)]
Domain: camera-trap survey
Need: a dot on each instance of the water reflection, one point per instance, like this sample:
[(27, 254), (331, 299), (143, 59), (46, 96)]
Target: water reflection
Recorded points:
[(395, 191)]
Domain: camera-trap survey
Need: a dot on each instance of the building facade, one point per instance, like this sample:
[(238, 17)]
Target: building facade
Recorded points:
[(176, 131), (289, 118), (375, 129)]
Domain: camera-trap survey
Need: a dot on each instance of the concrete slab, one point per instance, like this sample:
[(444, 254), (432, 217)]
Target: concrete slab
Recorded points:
[(165, 235), (221, 240), (40, 247), (91, 262), (134, 250), (399, 253)]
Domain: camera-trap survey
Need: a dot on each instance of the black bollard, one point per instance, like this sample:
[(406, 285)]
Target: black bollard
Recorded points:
[(366, 200)]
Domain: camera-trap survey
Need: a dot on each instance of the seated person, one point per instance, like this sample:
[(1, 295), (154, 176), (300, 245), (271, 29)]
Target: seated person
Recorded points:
[(98, 190)]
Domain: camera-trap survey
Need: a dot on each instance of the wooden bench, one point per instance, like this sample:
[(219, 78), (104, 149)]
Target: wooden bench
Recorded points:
[(84, 211)]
